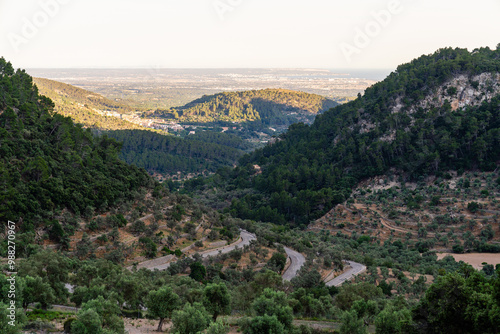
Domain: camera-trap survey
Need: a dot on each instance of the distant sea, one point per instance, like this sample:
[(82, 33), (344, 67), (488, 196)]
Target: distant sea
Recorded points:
[(371, 74)]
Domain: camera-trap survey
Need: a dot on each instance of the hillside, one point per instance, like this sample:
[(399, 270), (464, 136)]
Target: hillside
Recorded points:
[(171, 156), (66, 189), (50, 165), (270, 106), (84, 107), (450, 213), (439, 112)]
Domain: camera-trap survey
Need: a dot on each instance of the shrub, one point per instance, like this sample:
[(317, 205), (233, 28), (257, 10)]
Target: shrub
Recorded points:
[(473, 207)]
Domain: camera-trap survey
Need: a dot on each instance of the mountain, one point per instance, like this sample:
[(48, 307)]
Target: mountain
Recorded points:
[(157, 153), (270, 106), (438, 113), (49, 165), (84, 107)]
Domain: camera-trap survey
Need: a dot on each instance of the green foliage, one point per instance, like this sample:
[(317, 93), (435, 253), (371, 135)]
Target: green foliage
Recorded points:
[(266, 105), (351, 324), (352, 292), (149, 246), (265, 324), (386, 288), (312, 168), (193, 318), (216, 299), (107, 310), (88, 322), (392, 320), (53, 269), (198, 271), (459, 302), (274, 303), (168, 154), (48, 163), (473, 207), (38, 291), (277, 262), (458, 249), (217, 327), (162, 303), (18, 319)]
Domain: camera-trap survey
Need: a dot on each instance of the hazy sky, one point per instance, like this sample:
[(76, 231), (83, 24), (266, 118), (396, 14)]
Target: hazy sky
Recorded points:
[(239, 33)]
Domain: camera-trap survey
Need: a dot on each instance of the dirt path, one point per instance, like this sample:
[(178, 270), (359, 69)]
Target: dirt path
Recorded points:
[(384, 221)]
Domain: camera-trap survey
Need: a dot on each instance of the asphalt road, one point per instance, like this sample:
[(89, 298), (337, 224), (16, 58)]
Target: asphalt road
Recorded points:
[(245, 238), (356, 269), (297, 261)]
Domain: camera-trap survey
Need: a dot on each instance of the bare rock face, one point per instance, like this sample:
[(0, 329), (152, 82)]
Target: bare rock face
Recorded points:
[(460, 92)]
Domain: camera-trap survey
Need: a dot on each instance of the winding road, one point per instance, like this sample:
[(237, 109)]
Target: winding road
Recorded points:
[(356, 269), (245, 239), (164, 262), (297, 260)]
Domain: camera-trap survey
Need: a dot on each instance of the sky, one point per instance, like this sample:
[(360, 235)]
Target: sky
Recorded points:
[(334, 34)]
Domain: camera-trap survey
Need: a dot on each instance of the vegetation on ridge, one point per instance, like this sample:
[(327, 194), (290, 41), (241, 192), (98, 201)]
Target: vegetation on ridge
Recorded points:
[(312, 168)]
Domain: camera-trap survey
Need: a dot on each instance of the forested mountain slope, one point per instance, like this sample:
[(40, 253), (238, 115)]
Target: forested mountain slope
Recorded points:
[(85, 107), (271, 106), (48, 164), (203, 152), (439, 112)]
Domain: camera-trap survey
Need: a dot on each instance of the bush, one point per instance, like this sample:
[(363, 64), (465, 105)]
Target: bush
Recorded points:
[(138, 227), (87, 322), (217, 327), (198, 271), (458, 249), (149, 246), (167, 250), (191, 319), (473, 207), (39, 325), (277, 262), (264, 324)]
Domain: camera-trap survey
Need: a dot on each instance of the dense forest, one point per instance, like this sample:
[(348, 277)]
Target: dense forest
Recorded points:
[(49, 164), (84, 106), (311, 168), (202, 152), (269, 106)]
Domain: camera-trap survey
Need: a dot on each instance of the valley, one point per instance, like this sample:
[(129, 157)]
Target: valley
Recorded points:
[(270, 211)]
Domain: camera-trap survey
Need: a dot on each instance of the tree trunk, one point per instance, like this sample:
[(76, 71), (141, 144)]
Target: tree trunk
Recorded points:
[(160, 325)]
